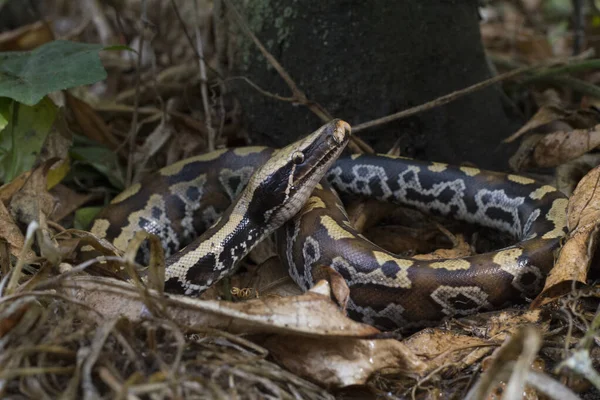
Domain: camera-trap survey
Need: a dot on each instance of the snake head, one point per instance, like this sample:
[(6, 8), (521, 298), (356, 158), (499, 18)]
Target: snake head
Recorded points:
[(278, 190)]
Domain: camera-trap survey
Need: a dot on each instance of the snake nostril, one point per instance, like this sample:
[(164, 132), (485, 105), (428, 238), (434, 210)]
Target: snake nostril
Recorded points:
[(341, 132), (347, 129)]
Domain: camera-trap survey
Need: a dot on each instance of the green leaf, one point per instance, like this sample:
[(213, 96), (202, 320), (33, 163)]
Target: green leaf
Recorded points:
[(22, 138), (119, 47), (102, 160), (84, 217), (27, 76)]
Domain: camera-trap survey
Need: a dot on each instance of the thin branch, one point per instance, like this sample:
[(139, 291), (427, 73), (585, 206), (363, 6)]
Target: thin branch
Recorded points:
[(261, 90), (136, 100), (478, 86)]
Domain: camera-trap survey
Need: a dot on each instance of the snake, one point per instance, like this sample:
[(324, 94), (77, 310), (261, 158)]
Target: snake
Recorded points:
[(239, 196)]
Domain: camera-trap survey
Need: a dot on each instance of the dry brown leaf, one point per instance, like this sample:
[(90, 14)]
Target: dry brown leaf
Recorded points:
[(10, 232), (511, 39), (497, 325), (340, 291), (26, 37), (441, 347), (461, 249), (569, 174), (68, 201), (559, 147), (523, 157), (311, 314), (583, 217), (579, 119), (335, 363), (152, 144), (313, 337), (8, 190), (33, 199), (90, 122)]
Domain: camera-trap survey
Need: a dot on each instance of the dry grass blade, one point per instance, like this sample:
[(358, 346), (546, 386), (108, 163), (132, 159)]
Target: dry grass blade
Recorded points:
[(511, 361), (56, 347)]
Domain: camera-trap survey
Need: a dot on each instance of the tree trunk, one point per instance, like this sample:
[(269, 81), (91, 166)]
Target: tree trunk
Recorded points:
[(363, 60)]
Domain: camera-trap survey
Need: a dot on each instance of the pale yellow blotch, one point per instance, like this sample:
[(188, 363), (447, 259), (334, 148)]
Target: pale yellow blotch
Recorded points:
[(128, 231), (403, 264), (319, 186), (470, 171), (355, 156), (87, 248), (520, 179), (558, 215), (100, 227), (539, 193), (178, 166), (508, 258), (312, 203), (382, 258), (244, 151), (437, 167), (451, 265), (334, 230), (213, 245), (130, 191)]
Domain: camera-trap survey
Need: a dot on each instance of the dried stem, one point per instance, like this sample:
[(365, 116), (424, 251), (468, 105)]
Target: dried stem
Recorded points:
[(136, 101), (573, 64)]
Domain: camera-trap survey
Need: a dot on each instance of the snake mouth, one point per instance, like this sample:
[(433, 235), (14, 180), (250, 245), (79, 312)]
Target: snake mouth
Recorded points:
[(335, 141)]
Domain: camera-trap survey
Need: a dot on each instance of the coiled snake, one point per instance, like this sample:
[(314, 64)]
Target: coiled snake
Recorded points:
[(269, 187)]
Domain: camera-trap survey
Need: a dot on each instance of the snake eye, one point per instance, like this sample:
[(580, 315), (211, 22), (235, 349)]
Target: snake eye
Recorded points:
[(297, 157)]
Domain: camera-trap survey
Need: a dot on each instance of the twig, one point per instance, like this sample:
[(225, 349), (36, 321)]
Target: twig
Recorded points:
[(575, 67), (298, 95), (442, 100), (136, 100), (261, 90)]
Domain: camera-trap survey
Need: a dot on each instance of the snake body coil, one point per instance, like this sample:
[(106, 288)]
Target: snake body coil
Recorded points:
[(385, 290)]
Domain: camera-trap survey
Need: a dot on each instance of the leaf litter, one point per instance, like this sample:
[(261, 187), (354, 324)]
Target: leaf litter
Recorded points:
[(67, 328)]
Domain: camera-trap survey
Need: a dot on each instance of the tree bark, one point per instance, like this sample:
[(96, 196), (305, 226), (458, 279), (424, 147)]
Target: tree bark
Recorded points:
[(363, 60)]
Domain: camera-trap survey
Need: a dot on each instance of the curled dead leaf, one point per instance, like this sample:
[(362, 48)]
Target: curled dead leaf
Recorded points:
[(67, 201), (310, 314), (583, 219), (523, 157), (10, 232), (8, 190), (336, 363), (578, 119), (559, 147), (442, 347), (90, 122), (569, 174), (33, 198)]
